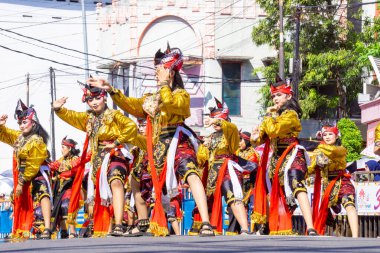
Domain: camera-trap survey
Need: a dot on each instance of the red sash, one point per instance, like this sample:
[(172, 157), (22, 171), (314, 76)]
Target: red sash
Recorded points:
[(280, 222), (216, 216), (77, 185), (260, 203), (158, 224), (23, 207), (320, 216)]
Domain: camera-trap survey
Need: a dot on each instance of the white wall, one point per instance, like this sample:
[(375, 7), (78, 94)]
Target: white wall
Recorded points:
[(14, 66)]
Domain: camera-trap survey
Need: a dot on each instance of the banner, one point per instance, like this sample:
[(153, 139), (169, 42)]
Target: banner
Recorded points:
[(367, 199)]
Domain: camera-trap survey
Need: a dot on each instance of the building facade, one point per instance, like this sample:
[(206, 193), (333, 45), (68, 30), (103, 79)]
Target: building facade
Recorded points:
[(215, 38)]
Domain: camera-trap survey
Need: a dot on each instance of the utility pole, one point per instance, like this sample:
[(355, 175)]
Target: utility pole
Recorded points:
[(296, 61), (84, 22), (53, 98), (27, 88), (281, 49)]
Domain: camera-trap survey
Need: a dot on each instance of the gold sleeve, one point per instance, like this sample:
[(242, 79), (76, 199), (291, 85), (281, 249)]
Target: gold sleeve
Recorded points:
[(73, 118), (8, 136), (313, 162), (37, 153), (203, 155), (140, 142), (281, 125), (130, 105), (377, 133), (177, 103), (128, 128), (376, 149), (333, 152), (261, 139), (231, 133)]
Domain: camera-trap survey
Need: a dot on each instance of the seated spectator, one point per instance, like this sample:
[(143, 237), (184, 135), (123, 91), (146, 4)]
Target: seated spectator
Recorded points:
[(373, 166)]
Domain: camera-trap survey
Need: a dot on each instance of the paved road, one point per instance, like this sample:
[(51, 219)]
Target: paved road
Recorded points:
[(196, 244)]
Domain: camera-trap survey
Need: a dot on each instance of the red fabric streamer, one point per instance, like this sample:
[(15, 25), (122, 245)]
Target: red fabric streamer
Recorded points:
[(158, 224), (216, 216), (320, 221), (77, 185), (23, 207), (280, 222), (260, 191)]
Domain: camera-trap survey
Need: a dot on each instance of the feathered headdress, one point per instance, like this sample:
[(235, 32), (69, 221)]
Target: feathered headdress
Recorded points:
[(23, 112), (90, 92), (141, 121), (172, 58), (280, 86), (221, 111)]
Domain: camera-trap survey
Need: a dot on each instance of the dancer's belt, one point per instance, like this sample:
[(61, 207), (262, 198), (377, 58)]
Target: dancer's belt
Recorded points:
[(224, 156), (170, 128), (283, 143), (102, 144)]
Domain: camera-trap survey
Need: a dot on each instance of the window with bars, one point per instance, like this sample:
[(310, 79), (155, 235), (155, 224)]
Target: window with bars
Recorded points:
[(231, 92)]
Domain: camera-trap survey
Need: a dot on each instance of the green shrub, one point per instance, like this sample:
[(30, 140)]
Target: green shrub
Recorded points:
[(351, 138)]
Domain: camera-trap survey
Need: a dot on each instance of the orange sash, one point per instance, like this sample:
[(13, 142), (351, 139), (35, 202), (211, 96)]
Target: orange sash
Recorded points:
[(216, 216), (280, 222), (158, 224), (321, 216), (23, 207), (259, 215), (77, 185)]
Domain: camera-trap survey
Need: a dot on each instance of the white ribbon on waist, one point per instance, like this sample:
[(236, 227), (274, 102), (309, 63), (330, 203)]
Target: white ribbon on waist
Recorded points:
[(288, 191), (236, 186), (132, 201), (171, 180), (43, 170), (104, 187), (90, 186)]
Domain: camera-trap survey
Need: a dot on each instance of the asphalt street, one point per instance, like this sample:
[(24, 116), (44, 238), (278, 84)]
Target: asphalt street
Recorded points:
[(197, 244)]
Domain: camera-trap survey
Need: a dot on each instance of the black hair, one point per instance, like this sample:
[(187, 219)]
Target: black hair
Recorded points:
[(73, 151), (291, 104), (177, 81), (40, 131), (247, 142)]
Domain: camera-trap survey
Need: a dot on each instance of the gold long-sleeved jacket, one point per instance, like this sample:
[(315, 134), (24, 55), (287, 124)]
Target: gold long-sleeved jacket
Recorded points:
[(331, 159), (225, 144), (174, 107), (285, 125), (33, 151), (114, 126), (377, 133)]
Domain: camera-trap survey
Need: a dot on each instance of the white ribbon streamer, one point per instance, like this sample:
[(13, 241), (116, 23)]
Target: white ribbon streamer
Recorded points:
[(104, 187), (288, 191), (236, 186), (171, 180), (90, 186), (43, 170)]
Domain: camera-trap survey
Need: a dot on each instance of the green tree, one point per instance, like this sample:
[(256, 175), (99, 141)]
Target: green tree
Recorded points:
[(351, 138), (329, 49)]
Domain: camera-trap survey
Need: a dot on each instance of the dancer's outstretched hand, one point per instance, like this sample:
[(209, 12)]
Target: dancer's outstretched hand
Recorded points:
[(273, 108), (209, 122), (162, 74), (3, 119), (18, 190), (57, 104), (99, 83), (255, 133)]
